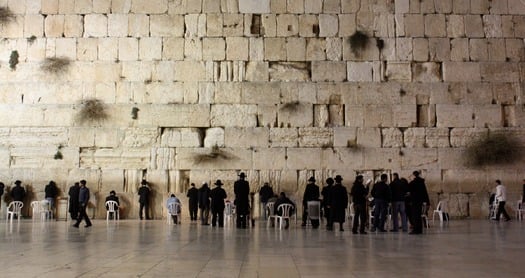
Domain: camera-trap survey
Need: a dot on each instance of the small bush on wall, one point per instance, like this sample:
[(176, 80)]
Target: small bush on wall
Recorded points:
[(56, 65), (6, 15), (92, 110), (215, 154), (494, 149)]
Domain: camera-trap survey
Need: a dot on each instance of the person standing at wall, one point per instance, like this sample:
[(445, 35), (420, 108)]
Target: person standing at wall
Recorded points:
[(217, 204), (417, 191), (381, 194), (51, 192), (18, 193), (73, 200), (311, 193), (359, 193), (399, 191), (204, 203), (193, 201), (265, 193), (501, 196), (172, 200), (83, 199), (339, 202), (2, 188), (143, 193), (241, 188), (327, 202)]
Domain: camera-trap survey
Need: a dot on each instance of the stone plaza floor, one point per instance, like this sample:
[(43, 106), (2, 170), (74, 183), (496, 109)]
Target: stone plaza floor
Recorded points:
[(134, 248)]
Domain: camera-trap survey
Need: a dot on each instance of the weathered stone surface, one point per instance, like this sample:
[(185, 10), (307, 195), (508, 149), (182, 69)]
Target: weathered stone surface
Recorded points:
[(391, 138), (462, 137), (230, 159), (284, 137), (454, 116), (295, 114), (254, 6), (233, 115), (437, 138), (301, 158), (289, 72), (414, 138), (381, 158), (269, 158), (328, 71), (314, 136), (460, 72)]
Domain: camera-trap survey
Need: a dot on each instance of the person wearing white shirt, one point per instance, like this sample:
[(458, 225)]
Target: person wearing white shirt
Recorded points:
[(501, 196)]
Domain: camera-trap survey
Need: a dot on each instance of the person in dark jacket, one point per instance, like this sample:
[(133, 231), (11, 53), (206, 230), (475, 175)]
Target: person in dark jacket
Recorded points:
[(282, 199), (381, 194), (419, 197), (359, 193), (112, 197), (143, 193), (327, 202), (217, 204), (204, 203), (18, 193), (51, 192), (265, 193), (339, 202), (73, 200), (241, 188), (311, 193), (2, 188), (83, 199), (399, 191), (193, 201)]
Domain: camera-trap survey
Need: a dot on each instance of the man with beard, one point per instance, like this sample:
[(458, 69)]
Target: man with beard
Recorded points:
[(241, 188), (73, 200), (419, 197), (193, 201), (217, 204), (339, 202)]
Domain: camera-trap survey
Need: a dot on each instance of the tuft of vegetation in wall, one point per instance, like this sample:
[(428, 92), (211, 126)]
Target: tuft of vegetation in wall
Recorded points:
[(92, 110), (135, 113), (58, 154), (56, 65), (215, 154), (358, 42), (6, 15), (31, 40), (494, 149), (290, 106), (13, 60)]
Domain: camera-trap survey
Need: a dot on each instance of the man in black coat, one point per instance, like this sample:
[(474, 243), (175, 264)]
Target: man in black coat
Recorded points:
[(399, 191), (311, 193), (204, 203), (51, 192), (327, 202), (359, 193), (144, 199), (265, 193), (2, 187), (339, 202), (83, 199), (18, 193), (193, 201), (217, 204), (381, 194), (241, 188), (419, 197), (73, 200)]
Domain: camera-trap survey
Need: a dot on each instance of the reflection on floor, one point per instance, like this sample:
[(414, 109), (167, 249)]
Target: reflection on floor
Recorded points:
[(133, 248)]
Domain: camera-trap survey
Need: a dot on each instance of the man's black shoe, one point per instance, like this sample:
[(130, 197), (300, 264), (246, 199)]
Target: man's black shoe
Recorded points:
[(76, 226)]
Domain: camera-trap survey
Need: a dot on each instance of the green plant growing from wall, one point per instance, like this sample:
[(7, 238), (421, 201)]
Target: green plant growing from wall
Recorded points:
[(493, 149), (290, 106), (215, 154), (6, 16), (92, 110), (13, 60), (358, 42), (56, 65), (58, 154), (31, 40), (135, 113)]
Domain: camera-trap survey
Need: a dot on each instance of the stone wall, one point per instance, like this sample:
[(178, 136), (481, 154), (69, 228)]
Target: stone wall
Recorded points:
[(276, 85)]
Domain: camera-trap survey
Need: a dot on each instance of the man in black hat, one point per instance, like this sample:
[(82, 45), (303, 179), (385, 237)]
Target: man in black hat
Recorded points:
[(193, 201), (327, 203), (339, 203), (419, 197), (217, 204), (144, 199), (18, 193), (241, 188), (359, 193), (311, 193)]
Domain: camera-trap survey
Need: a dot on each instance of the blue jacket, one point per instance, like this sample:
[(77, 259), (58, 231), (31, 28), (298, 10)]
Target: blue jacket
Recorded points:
[(83, 196)]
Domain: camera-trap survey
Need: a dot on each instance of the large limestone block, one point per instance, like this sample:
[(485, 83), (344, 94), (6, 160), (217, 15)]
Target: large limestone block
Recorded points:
[(345, 136), (190, 71), (378, 116), (492, 26), (296, 49), (267, 115), (108, 137), (391, 138), (117, 25), (334, 49), (404, 48), (269, 158), (107, 158), (284, 137), (342, 159), (500, 72), (369, 137), (274, 49), (461, 72), (414, 25), (237, 48), (426, 72), (455, 26), (450, 115), (439, 49), (290, 71), (459, 49), (254, 6), (214, 137), (295, 114), (181, 137), (437, 138), (298, 91), (233, 115), (435, 25), (414, 137), (381, 158), (247, 137), (66, 47), (228, 92), (95, 25), (49, 6), (355, 116), (81, 137), (315, 137), (489, 115), (328, 25), (139, 25), (398, 71), (175, 115), (54, 26), (128, 49), (173, 48), (35, 136), (418, 158), (228, 159), (303, 158), (102, 6), (328, 71), (149, 6), (316, 49), (452, 158), (143, 137), (465, 181), (43, 157), (260, 93), (360, 71), (213, 49), (462, 137), (5, 158), (233, 25), (167, 25), (474, 26), (108, 49), (256, 49), (33, 25), (306, 25)]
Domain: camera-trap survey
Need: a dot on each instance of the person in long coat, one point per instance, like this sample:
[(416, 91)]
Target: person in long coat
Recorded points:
[(311, 193), (241, 188), (339, 201), (217, 204), (204, 203), (193, 201), (144, 199), (73, 200), (418, 196), (327, 202), (18, 193), (359, 193)]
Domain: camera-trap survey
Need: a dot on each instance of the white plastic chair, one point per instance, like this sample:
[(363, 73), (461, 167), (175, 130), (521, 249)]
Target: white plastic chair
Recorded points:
[(314, 210), (520, 210), (351, 212), (13, 208), (440, 211), (228, 211), (112, 207), (45, 210), (271, 215), (35, 208), (424, 216), (285, 214), (173, 210)]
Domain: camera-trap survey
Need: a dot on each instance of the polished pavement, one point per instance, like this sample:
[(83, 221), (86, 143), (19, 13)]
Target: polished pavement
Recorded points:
[(134, 248)]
